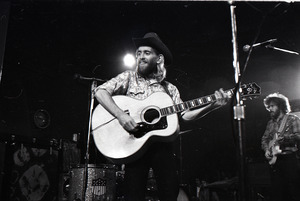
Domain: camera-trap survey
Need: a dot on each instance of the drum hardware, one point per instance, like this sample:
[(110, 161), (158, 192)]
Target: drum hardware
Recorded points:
[(120, 185), (227, 183), (151, 187), (34, 142), (70, 155), (53, 143), (182, 195), (151, 183), (208, 190), (63, 187)]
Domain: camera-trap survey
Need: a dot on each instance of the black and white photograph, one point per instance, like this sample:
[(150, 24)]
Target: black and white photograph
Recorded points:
[(149, 100)]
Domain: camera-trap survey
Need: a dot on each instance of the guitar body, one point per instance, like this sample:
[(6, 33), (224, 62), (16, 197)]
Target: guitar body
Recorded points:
[(115, 143), (274, 149)]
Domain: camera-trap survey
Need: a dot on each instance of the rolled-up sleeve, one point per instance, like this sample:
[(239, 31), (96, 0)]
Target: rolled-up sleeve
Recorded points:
[(117, 85)]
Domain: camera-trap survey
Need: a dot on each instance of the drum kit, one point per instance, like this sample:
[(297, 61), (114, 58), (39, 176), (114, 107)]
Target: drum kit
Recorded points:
[(87, 182), (104, 182)]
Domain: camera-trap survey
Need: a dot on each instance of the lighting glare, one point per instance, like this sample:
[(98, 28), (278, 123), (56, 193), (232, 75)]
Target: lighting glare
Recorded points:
[(129, 60)]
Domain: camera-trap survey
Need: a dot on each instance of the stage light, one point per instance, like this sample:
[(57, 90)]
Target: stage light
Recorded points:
[(129, 60)]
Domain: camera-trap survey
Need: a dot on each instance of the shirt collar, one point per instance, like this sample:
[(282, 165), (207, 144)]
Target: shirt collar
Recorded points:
[(149, 80), (279, 118)]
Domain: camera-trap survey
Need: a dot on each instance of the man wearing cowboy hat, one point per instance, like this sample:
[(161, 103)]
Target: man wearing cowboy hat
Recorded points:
[(152, 55)]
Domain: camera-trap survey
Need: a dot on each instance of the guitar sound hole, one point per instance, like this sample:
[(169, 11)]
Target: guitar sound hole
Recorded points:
[(151, 116)]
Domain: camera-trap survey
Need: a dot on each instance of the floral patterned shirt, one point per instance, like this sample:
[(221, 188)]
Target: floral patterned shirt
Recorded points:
[(131, 84)]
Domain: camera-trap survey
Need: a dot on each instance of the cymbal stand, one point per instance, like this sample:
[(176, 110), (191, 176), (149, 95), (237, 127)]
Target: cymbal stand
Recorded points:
[(238, 109)]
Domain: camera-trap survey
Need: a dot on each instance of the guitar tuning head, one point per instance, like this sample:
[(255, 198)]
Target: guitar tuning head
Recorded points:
[(251, 90)]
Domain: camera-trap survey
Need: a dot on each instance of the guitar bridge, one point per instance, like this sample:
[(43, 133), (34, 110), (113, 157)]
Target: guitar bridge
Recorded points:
[(144, 128)]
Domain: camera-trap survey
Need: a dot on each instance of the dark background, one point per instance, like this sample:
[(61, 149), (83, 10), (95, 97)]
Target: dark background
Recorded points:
[(48, 42)]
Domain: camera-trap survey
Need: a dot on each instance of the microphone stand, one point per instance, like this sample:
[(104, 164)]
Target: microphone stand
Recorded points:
[(87, 156), (238, 109)]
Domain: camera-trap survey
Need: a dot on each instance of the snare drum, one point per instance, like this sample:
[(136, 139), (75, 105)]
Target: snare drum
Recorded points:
[(101, 183)]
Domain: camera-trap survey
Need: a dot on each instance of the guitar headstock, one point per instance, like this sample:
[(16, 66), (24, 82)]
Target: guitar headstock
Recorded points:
[(250, 90)]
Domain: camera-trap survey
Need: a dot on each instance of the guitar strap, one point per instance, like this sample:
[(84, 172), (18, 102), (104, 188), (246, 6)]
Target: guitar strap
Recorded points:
[(282, 125), (164, 84)]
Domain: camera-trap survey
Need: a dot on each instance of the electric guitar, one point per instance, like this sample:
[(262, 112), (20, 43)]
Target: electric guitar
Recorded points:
[(273, 145), (157, 119), (274, 149)]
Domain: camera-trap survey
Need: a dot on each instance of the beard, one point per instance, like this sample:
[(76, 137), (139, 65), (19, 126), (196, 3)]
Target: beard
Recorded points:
[(146, 69), (275, 114)]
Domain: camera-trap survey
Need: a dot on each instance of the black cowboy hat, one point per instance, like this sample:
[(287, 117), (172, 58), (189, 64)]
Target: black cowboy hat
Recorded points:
[(151, 39)]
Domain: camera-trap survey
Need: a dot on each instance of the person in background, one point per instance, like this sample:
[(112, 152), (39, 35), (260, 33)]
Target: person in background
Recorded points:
[(280, 144)]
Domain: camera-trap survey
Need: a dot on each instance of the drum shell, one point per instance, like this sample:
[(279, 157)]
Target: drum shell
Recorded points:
[(100, 184)]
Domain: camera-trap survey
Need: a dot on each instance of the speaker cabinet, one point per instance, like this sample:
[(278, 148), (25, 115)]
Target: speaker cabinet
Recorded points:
[(32, 173)]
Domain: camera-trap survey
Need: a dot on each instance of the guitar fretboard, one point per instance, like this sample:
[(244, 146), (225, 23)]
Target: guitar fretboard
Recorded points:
[(191, 104)]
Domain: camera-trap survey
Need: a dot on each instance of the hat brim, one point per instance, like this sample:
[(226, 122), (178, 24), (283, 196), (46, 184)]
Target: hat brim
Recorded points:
[(156, 44)]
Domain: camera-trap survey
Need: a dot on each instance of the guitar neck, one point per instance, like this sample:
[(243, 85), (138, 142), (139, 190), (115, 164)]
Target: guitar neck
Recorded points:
[(198, 102)]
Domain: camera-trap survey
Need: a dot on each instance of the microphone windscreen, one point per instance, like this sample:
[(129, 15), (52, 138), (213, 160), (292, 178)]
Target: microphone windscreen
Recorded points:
[(246, 48), (76, 76)]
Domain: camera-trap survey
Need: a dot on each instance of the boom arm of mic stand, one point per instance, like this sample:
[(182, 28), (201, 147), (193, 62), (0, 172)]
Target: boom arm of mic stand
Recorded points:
[(282, 50)]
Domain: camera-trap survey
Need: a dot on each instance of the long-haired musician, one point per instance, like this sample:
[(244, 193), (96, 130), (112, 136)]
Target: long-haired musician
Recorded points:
[(280, 144), (152, 57)]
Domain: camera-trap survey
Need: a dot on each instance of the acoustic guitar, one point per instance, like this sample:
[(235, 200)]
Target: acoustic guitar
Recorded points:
[(157, 119)]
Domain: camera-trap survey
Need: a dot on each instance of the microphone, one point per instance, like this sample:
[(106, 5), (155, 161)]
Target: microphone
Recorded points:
[(246, 48), (80, 77)]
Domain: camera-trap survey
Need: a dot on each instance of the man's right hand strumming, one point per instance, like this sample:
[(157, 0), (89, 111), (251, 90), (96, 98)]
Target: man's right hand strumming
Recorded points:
[(127, 122)]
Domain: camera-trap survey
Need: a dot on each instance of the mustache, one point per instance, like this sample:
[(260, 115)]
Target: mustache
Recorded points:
[(142, 60)]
